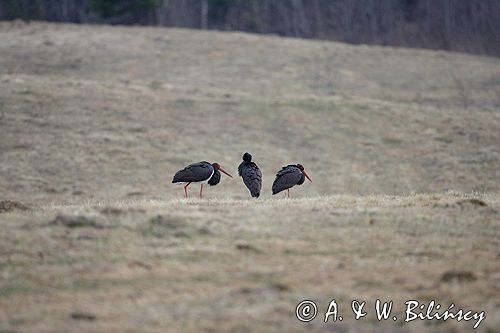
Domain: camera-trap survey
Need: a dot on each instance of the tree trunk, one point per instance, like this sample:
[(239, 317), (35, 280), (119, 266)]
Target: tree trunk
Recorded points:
[(204, 14)]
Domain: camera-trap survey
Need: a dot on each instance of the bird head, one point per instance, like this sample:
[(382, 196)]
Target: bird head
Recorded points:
[(217, 166), (301, 167), (247, 157)]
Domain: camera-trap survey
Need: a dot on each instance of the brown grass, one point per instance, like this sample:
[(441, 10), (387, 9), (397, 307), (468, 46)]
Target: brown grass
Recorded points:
[(228, 265), (402, 146), (92, 112)]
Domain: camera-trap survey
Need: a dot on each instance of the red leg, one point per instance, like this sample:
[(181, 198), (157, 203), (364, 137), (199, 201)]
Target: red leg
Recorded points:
[(185, 189), (201, 191)]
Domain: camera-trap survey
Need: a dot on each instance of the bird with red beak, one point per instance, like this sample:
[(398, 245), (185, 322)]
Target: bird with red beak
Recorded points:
[(199, 172), (288, 177)]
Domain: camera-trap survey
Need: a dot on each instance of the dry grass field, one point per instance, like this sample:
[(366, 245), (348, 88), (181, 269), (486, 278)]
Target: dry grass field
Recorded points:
[(402, 146)]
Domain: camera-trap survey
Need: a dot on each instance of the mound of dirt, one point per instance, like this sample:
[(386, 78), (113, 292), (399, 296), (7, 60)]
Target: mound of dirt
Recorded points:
[(9, 206), (75, 221), (166, 222), (472, 203), (82, 316), (458, 276)]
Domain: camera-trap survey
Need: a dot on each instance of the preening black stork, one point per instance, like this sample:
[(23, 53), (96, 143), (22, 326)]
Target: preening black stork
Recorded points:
[(289, 176), (199, 172), (251, 174)]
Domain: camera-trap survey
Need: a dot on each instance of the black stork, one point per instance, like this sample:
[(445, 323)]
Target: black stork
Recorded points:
[(199, 172), (251, 174), (289, 176)]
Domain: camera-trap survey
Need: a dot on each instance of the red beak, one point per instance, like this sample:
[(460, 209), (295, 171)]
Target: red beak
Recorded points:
[(221, 169), (307, 176)]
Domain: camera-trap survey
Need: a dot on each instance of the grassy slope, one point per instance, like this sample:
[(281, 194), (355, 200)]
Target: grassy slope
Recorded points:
[(96, 115), (87, 106)]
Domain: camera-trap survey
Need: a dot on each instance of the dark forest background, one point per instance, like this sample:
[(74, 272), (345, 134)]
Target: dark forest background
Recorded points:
[(458, 25)]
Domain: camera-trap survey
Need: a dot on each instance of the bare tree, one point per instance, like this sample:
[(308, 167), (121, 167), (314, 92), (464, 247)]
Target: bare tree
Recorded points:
[(204, 14)]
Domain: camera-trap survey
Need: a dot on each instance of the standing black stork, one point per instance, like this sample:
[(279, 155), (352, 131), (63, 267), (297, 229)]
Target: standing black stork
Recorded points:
[(251, 174), (199, 172), (289, 176)]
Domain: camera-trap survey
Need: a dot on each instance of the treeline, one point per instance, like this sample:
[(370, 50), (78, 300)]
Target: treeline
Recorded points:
[(460, 25)]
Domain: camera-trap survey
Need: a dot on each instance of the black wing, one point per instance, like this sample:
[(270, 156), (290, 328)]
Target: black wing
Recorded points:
[(287, 177), (252, 177), (196, 172), (240, 168)]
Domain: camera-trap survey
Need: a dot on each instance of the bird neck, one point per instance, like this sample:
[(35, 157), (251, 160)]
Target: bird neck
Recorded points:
[(215, 179)]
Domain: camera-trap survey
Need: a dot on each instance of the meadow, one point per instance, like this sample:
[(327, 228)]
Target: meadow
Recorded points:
[(401, 144)]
